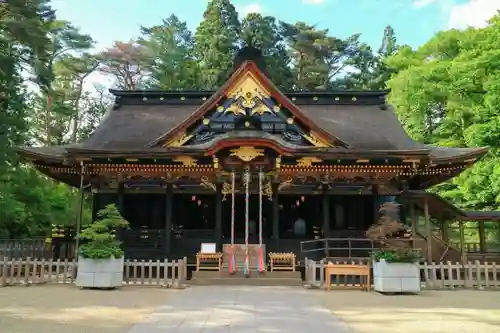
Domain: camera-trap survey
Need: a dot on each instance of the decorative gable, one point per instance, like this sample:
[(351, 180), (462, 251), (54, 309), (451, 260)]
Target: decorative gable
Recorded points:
[(248, 102)]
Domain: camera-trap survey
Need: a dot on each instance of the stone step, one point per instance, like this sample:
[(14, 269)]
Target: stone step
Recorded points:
[(255, 278)]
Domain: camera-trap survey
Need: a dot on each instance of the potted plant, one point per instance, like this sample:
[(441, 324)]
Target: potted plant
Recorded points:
[(100, 257), (396, 264)]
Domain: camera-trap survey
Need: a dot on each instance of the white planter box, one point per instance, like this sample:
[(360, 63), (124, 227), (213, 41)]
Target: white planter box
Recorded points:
[(101, 273), (396, 277)]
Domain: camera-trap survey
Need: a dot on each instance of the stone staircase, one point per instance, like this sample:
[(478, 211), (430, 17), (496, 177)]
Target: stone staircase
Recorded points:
[(205, 278)]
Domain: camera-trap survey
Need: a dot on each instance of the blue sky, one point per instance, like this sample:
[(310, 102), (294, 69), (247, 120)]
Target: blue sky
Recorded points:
[(414, 21)]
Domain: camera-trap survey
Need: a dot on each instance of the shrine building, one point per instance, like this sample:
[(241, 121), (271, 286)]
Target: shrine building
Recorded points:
[(175, 164)]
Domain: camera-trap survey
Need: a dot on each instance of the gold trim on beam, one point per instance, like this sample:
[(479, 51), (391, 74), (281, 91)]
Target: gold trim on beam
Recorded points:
[(186, 161), (308, 161), (362, 161), (411, 161), (132, 159)]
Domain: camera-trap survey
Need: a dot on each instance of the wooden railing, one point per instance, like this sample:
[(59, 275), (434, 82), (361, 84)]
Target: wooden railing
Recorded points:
[(434, 276), (342, 247), (161, 273)]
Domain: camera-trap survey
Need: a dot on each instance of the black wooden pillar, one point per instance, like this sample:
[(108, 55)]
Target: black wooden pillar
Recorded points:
[(168, 219), (119, 205), (119, 199), (276, 212), (218, 216), (326, 212)]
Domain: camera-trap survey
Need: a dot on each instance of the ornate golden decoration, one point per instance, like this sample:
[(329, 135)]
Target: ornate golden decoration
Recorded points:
[(290, 121), (247, 93), (267, 190), (286, 183), (216, 162), (235, 109), (206, 121), (226, 190), (278, 162), (276, 109), (179, 140), (308, 161), (247, 88), (207, 184), (315, 141), (260, 109), (247, 153), (186, 161)]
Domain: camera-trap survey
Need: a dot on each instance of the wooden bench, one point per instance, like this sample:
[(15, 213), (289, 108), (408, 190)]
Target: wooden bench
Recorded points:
[(208, 261), (345, 269), (283, 261)]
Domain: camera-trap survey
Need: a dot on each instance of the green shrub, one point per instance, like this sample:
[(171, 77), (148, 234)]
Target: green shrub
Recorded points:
[(99, 238)]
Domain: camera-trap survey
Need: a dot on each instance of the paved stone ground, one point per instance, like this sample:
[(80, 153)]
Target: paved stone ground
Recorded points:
[(227, 309)]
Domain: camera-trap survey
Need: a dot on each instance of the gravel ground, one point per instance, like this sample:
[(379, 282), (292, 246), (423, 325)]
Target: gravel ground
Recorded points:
[(460, 311), (67, 309)]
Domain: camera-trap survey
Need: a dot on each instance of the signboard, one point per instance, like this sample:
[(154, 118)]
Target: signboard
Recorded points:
[(208, 248)]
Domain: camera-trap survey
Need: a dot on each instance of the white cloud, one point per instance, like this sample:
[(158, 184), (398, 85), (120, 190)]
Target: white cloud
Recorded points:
[(423, 3), (250, 8), (475, 13), (313, 2)]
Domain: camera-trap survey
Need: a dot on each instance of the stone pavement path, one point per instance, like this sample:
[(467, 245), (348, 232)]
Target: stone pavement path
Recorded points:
[(228, 309)]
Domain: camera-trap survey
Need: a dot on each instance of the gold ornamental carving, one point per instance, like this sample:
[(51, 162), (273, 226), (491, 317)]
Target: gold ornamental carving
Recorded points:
[(207, 184), (227, 189), (215, 160), (186, 161), (267, 190), (287, 183), (179, 140), (315, 141), (247, 153), (308, 161), (248, 93)]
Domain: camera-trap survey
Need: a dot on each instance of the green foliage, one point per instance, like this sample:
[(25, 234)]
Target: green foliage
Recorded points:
[(408, 256), (447, 93), (99, 238), (388, 232)]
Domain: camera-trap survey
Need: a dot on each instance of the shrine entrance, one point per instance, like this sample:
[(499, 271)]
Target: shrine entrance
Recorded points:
[(239, 219)]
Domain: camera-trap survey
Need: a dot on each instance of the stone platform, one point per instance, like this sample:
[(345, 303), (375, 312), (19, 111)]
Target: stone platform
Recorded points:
[(205, 278)]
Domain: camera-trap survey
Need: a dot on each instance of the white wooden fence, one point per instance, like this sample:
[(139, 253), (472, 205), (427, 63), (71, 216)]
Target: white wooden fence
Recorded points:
[(441, 275), (162, 273)]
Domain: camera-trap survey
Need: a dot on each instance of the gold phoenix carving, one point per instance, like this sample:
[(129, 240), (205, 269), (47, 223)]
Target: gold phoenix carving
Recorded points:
[(247, 153)]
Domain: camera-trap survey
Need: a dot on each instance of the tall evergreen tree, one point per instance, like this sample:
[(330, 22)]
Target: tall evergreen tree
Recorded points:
[(216, 42), (262, 32), (169, 47)]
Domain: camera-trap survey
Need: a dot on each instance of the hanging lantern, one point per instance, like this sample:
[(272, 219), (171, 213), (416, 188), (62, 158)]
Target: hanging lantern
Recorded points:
[(297, 203), (302, 198), (199, 202), (193, 198)]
